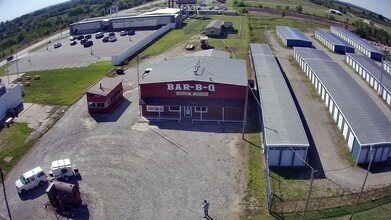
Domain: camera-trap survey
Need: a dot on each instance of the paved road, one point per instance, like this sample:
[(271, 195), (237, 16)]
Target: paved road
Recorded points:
[(325, 133), (133, 170)]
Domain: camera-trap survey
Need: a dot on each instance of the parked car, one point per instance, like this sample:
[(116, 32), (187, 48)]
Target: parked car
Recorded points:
[(83, 41), (111, 34), (123, 33), (62, 169), (10, 57), (131, 32), (99, 35), (80, 37), (72, 38), (105, 39), (88, 36), (30, 180), (190, 47), (73, 43), (112, 39), (119, 71), (88, 44), (57, 45)]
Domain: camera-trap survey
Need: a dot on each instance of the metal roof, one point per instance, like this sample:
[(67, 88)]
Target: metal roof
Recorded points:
[(334, 39), (198, 68), (367, 121), (212, 53), (358, 39), (292, 33), (215, 24), (282, 123), (375, 70), (104, 86)]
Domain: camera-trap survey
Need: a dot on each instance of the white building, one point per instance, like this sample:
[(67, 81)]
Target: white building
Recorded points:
[(10, 98)]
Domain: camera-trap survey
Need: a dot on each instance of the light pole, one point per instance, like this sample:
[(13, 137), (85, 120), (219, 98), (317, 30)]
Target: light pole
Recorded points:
[(17, 66), (5, 194), (91, 50), (8, 76)]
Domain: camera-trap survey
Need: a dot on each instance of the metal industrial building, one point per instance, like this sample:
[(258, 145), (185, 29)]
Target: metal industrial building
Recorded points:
[(284, 138), (148, 20), (293, 37), (195, 89), (11, 97), (333, 42), (359, 43), (217, 27), (387, 66), (363, 125), (103, 96), (373, 74)]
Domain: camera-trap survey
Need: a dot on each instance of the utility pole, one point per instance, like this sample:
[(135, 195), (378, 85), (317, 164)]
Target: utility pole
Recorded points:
[(17, 66), (91, 50), (363, 184), (5, 194), (245, 112), (138, 85), (309, 193)]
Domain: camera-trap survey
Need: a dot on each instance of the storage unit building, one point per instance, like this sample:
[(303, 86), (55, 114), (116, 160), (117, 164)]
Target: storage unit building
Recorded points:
[(11, 97), (360, 44), (104, 95), (363, 125), (194, 89), (387, 66), (293, 37), (214, 28), (284, 138), (373, 74), (333, 42)]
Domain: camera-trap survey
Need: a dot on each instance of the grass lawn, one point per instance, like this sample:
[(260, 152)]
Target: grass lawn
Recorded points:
[(63, 86), (4, 68), (12, 144)]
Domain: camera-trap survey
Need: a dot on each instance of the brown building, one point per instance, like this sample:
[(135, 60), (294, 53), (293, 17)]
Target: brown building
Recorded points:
[(198, 88), (104, 95)]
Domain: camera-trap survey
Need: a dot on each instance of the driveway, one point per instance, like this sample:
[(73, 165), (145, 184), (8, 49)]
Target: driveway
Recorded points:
[(134, 170)]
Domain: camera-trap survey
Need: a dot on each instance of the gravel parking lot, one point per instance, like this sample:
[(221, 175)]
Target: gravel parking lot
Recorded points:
[(134, 170), (68, 56)]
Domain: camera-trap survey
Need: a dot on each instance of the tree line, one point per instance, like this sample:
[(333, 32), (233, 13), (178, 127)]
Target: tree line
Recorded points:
[(373, 33), (28, 28)]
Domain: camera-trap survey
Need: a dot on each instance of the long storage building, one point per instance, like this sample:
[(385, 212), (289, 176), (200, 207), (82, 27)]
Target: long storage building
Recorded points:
[(293, 37), (333, 42), (195, 89), (387, 66), (284, 138), (363, 125), (373, 74), (359, 43), (11, 97)]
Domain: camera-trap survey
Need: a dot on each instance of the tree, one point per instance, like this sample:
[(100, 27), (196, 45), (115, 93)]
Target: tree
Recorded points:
[(286, 8), (278, 7), (299, 9)]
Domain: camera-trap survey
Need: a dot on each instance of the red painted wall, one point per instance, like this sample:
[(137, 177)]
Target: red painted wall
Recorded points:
[(193, 89), (91, 98)]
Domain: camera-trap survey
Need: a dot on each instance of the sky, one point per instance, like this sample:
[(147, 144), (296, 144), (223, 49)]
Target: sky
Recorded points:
[(10, 9)]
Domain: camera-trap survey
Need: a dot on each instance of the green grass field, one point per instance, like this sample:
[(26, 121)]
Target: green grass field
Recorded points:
[(63, 86), (3, 69), (13, 145)]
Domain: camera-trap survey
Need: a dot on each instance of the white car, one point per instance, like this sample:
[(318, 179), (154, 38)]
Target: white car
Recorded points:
[(99, 35), (30, 180), (62, 169), (112, 39)]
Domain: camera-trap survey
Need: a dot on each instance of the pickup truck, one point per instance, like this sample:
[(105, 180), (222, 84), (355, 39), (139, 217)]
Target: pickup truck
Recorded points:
[(30, 180), (62, 169)]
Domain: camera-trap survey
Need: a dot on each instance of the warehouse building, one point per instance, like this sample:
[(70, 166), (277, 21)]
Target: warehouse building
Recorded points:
[(387, 66), (333, 42), (195, 89), (103, 96), (363, 125), (360, 44), (293, 37), (284, 138), (11, 97), (373, 74), (148, 20), (217, 28)]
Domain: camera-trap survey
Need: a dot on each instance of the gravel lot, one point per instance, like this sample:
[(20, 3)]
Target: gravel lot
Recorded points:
[(134, 170)]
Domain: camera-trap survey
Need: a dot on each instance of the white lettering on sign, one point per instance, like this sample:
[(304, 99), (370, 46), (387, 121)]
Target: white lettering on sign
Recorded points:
[(187, 87)]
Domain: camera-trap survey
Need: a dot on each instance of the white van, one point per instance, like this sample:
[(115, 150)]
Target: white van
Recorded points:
[(62, 169), (30, 180)]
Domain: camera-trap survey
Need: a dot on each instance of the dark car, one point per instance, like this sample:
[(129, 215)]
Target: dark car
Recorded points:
[(57, 45), (111, 34), (73, 43), (120, 71), (88, 44), (83, 41), (105, 39), (80, 37), (131, 32), (88, 36), (10, 57)]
